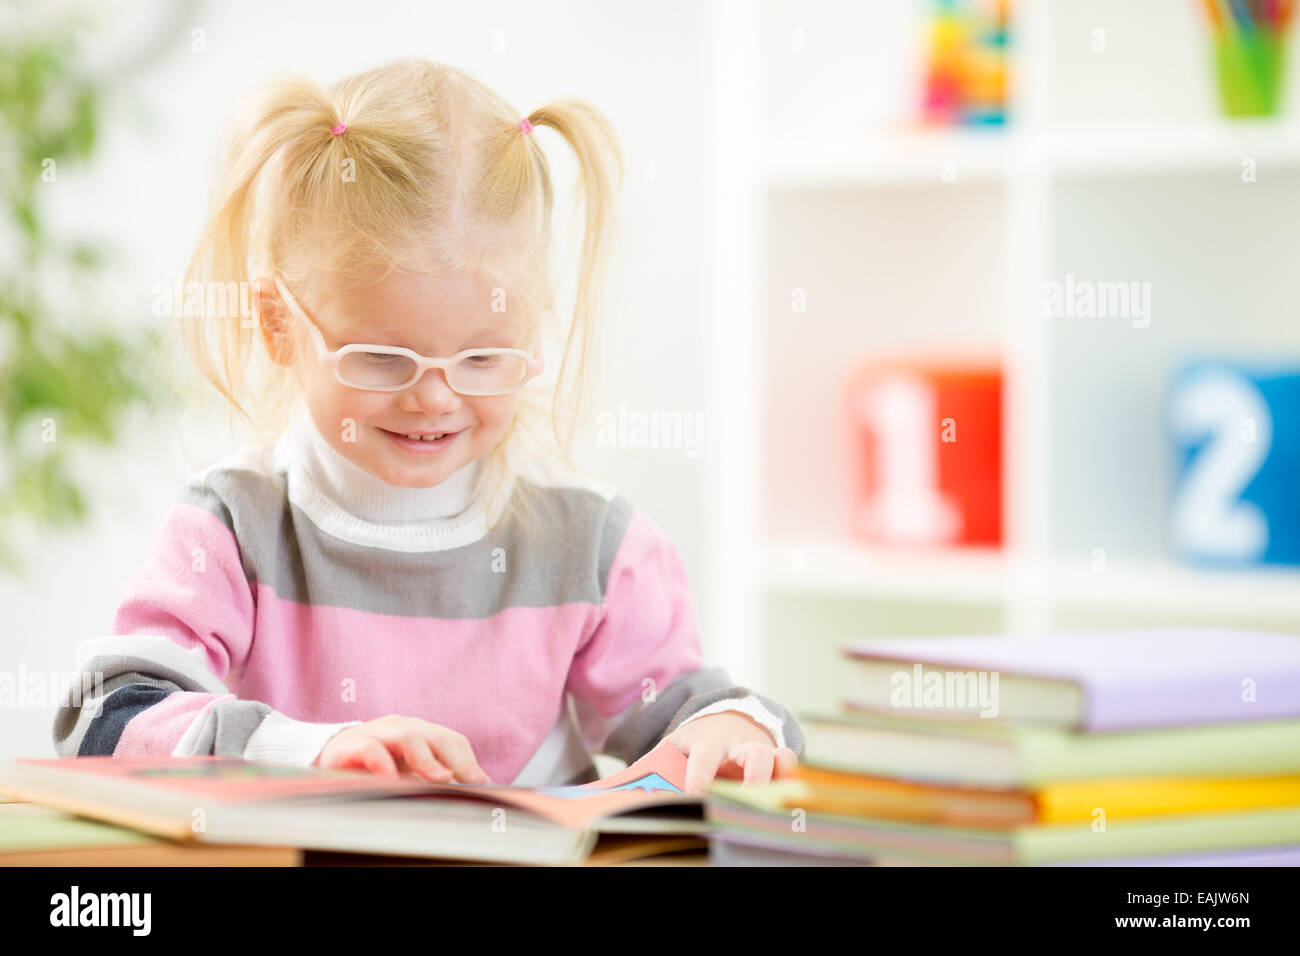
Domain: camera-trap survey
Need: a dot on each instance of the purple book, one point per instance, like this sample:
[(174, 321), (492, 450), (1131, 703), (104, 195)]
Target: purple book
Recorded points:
[(1247, 856), (1127, 679)]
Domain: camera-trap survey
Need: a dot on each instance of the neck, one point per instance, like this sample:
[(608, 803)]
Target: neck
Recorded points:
[(368, 497)]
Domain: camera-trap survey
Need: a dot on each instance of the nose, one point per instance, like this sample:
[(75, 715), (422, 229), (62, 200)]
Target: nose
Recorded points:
[(430, 394)]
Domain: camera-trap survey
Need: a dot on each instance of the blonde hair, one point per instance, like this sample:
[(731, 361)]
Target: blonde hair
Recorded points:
[(433, 173)]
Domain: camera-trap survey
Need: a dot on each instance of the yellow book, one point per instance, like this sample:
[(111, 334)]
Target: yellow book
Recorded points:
[(1157, 796), (824, 790)]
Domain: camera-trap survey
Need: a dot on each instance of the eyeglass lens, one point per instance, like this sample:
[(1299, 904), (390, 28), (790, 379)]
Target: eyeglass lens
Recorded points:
[(473, 374)]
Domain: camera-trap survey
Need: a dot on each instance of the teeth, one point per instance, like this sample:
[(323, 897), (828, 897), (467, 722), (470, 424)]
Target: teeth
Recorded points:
[(426, 437)]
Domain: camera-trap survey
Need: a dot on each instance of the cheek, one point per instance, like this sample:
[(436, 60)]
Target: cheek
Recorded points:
[(337, 403), (494, 415)]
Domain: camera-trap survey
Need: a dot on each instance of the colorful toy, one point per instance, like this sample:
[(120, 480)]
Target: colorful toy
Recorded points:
[(966, 76)]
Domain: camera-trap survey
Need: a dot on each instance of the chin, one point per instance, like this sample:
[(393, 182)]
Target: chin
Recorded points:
[(415, 484), (415, 476)]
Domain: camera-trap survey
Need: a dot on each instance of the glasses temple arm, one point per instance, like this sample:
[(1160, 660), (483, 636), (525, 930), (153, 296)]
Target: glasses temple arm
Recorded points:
[(317, 338)]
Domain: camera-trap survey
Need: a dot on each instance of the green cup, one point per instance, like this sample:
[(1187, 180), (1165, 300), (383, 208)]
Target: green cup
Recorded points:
[(1250, 67)]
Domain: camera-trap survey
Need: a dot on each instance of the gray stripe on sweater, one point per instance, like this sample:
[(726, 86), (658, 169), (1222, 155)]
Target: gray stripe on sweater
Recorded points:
[(644, 727), (72, 719), (794, 735), (227, 726), (281, 547), (652, 722)]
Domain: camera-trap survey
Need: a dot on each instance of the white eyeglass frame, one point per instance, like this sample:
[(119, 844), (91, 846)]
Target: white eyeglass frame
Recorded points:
[(422, 362)]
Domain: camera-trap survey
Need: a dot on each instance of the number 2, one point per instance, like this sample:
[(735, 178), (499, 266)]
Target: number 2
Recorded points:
[(1208, 518)]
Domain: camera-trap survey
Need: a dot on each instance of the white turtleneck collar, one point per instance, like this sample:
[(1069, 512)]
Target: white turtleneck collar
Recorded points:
[(349, 502)]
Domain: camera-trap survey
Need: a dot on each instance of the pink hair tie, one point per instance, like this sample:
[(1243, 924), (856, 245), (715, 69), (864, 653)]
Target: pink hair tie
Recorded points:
[(526, 126), (338, 129)]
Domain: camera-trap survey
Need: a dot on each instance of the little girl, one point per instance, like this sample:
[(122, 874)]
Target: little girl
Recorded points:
[(406, 575)]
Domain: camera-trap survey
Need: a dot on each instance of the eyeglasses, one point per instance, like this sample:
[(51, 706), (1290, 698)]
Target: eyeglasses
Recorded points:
[(387, 368)]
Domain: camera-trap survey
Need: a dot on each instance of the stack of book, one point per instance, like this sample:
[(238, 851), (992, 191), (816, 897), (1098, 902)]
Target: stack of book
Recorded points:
[(1154, 747)]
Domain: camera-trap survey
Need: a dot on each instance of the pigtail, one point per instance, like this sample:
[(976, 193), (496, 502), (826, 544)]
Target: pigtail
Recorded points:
[(600, 172), (293, 111), (514, 191)]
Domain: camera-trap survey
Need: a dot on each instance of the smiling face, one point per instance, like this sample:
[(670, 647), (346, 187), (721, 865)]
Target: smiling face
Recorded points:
[(436, 316)]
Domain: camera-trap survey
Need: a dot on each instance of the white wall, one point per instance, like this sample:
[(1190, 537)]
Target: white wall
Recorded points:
[(147, 191)]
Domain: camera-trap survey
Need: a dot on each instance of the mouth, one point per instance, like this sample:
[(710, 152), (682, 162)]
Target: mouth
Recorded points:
[(425, 444)]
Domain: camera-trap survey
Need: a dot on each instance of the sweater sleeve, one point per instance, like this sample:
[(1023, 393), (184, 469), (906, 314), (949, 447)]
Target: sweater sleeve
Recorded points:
[(751, 706), (640, 674), (157, 683)]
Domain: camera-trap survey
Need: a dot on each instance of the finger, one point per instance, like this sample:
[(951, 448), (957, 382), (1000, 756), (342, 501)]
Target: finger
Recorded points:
[(421, 759), (454, 750), (732, 766), (757, 759), (786, 762), (702, 765), (349, 757), (397, 739), (376, 758)]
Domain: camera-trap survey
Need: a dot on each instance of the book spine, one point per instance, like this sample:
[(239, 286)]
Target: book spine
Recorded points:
[(1250, 750)]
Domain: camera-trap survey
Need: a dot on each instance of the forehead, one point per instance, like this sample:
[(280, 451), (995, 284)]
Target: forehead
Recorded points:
[(422, 310)]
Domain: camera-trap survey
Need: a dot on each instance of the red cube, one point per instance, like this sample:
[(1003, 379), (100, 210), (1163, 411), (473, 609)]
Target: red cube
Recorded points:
[(926, 452)]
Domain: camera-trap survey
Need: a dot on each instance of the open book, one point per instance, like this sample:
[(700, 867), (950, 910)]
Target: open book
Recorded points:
[(226, 800)]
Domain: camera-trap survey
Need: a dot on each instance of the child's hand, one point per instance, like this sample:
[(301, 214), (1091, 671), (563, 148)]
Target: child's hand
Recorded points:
[(729, 744), (392, 746)]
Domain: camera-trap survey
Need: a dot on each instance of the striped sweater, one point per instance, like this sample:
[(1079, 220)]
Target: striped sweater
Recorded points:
[(292, 594)]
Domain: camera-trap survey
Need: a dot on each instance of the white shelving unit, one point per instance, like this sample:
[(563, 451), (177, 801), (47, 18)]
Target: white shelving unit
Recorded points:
[(848, 215)]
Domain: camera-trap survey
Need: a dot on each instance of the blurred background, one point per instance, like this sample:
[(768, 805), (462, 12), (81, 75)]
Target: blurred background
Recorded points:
[(925, 318)]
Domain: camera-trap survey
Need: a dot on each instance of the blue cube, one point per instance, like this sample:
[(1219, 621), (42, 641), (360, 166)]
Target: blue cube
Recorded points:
[(1235, 429)]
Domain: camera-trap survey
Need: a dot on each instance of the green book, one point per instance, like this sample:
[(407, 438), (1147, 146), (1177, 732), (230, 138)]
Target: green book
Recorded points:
[(756, 816), (994, 754), (25, 828)]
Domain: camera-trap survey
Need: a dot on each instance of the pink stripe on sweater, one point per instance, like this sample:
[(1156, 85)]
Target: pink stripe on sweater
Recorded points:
[(156, 730), (192, 589), (499, 680), (648, 635)]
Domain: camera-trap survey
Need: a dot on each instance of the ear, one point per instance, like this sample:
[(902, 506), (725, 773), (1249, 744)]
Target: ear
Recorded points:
[(275, 321)]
